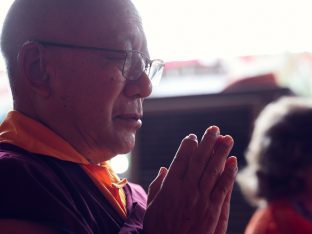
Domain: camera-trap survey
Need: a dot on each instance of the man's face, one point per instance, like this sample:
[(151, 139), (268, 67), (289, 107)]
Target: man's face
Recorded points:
[(94, 98)]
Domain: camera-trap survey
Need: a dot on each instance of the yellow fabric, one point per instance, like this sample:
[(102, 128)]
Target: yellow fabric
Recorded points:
[(29, 134)]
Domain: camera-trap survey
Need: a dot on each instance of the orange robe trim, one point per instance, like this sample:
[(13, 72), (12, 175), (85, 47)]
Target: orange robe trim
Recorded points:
[(26, 133)]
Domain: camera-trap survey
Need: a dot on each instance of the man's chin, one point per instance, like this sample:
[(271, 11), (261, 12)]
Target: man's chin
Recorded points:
[(126, 149)]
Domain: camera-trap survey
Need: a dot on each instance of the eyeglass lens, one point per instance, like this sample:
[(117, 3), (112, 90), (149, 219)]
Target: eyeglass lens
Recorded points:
[(136, 64)]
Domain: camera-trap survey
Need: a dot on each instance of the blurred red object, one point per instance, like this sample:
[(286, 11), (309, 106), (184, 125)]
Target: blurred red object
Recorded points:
[(263, 81)]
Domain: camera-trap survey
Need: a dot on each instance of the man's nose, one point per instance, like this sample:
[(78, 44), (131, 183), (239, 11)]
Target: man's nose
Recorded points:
[(141, 87)]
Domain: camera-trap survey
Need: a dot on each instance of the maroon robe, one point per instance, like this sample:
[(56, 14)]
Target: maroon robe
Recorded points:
[(59, 194)]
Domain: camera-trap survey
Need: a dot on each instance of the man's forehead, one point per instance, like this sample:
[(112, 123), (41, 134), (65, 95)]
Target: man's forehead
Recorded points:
[(101, 19), (109, 23), (72, 20), (99, 23)]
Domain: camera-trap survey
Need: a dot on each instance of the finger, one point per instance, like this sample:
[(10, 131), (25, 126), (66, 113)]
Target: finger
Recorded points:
[(218, 201), (205, 148), (212, 173), (224, 216), (221, 223), (225, 183), (155, 186), (215, 166), (181, 160)]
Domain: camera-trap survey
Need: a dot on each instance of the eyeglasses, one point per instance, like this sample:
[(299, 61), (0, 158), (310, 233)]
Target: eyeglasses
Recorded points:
[(134, 64)]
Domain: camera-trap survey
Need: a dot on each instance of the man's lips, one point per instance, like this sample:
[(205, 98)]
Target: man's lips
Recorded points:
[(130, 119)]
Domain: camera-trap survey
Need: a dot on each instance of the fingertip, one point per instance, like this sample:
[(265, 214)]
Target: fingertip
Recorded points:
[(191, 136), (228, 140), (231, 164), (212, 131), (162, 171), (234, 158), (190, 140)]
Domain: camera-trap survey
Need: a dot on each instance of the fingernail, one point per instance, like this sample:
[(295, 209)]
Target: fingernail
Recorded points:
[(233, 165), (192, 137), (162, 170), (228, 140), (213, 131)]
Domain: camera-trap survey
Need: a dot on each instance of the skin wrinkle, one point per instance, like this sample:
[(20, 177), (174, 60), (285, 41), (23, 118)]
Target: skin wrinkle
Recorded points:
[(45, 25), (99, 117), (64, 21)]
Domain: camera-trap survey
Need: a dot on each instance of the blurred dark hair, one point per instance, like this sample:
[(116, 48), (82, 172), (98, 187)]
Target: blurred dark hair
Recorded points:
[(279, 151)]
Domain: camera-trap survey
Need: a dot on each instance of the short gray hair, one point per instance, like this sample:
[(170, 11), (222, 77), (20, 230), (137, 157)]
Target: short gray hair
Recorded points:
[(280, 147)]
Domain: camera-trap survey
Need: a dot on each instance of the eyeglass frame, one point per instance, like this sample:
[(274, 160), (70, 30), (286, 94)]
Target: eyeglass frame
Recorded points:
[(148, 62)]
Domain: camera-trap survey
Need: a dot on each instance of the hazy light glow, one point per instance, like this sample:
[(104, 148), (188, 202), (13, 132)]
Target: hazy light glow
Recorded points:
[(4, 6), (120, 163), (182, 29)]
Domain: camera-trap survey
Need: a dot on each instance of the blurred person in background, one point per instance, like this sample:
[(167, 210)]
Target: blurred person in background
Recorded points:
[(278, 175)]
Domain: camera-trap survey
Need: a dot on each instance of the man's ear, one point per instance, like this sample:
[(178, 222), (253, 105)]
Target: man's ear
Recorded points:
[(31, 60)]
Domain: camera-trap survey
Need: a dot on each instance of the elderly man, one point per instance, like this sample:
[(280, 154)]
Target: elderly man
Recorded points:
[(79, 72)]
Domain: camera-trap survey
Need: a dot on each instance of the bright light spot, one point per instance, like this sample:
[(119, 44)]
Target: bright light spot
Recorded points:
[(120, 163)]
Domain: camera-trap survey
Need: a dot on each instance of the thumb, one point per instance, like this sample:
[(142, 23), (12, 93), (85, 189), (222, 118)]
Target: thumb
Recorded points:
[(155, 186)]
